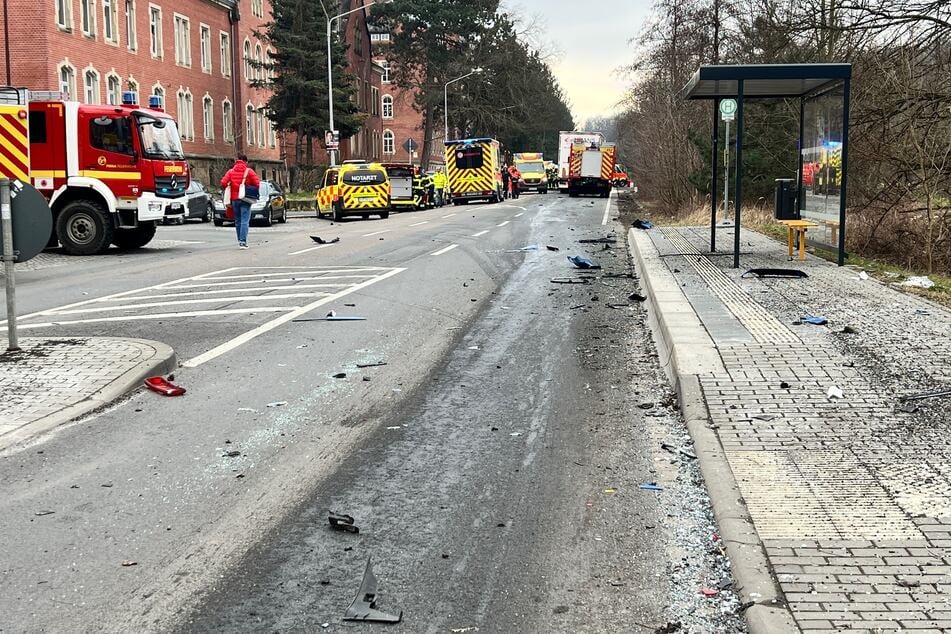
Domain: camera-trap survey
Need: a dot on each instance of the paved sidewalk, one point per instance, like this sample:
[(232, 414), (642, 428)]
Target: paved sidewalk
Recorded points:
[(851, 497), (51, 381)]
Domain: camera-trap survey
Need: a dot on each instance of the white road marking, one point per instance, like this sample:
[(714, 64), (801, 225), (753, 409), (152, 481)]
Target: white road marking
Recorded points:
[(375, 233), (416, 224), (446, 250), (310, 272), (320, 246), (519, 215), (502, 224), (223, 300), (279, 279), (607, 208), (449, 216), (240, 340), (262, 289), (481, 233), (518, 207), (154, 316)]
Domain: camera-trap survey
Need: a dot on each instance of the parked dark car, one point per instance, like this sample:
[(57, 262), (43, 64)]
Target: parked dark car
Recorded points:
[(270, 207), (195, 203)]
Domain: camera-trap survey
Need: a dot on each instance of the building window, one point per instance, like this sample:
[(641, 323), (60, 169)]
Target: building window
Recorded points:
[(208, 117), (130, 32), (249, 124), (186, 114), (389, 142), (374, 101), (133, 86), (258, 62), (88, 12), (386, 72), (109, 29), (155, 31), (158, 91), (183, 41), (272, 134), (248, 74), (67, 81), (64, 14), (257, 8), (227, 122), (113, 90), (259, 127), (379, 37), (204, 46), (91, 86), (225, 48), (387, 106)]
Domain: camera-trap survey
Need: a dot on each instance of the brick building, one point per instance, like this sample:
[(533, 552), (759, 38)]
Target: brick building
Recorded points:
[(401, 121), (189, 52)]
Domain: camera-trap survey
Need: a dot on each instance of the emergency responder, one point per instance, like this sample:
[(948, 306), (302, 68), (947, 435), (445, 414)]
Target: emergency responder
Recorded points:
[(505, 181), (515, 177), (440, 182)]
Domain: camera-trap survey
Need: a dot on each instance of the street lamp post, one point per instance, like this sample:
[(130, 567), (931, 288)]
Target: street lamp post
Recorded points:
[(330, 81), (445, 110)]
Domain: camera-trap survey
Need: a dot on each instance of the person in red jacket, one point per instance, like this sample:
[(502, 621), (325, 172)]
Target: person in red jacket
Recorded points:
[(238, 174), (515, 176)]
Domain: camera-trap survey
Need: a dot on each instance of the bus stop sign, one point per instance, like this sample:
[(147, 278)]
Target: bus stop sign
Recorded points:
[(32, 221)]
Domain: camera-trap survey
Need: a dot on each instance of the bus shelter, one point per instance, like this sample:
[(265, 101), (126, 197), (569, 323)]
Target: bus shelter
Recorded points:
[(823, 94)]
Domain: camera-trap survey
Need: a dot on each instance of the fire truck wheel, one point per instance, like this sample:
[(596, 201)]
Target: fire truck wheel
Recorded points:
[(136, 238), (84, 228), (384, 215)]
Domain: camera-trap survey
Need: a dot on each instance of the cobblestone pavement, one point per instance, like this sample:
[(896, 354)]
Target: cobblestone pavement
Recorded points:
[(50, 376), (851, 496)]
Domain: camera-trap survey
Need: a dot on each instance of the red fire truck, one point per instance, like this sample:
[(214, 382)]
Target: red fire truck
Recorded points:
[(108, 171)]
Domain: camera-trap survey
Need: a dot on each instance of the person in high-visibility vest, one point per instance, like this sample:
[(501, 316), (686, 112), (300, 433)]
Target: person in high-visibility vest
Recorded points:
[(440, 181)]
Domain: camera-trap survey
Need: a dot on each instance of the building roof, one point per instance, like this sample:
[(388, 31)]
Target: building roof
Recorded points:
[(765, 81)]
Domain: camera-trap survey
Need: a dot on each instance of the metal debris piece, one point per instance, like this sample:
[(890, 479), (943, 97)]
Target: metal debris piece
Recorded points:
[(371, 365), (320, 240), (642, 224), (636, 297), (815, 320), (651, 486), (551, 248), (363, 606), (572, 280), (598, 241), (781, 273), (582, 262), (343, 523), (924, 395)]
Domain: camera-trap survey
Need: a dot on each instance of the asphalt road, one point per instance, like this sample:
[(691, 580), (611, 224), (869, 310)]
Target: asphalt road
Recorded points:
[(492, 464)]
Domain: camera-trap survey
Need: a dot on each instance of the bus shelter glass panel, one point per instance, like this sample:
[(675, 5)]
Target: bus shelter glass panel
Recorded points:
[(821, 176)]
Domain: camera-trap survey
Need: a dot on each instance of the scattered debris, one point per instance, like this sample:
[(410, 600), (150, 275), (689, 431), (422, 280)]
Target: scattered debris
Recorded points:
[(784, 386), (907, 408), (363, 606), (835, 392), (376, 364), (42, 513), (106, 485), (922, 311), (277, 404), (516, 433), (646, 405), (616, 306), (918, 281), (127, 563), (320, 240), (561, 609), (764, 417), (463, 630), (642, 224), (909, 583), (637, 297), (343, 523), (234, 453), (678, 450), (780, 273), (849, 330), (814, 320), (340, 375), (163, 386), (863, 275), (669, 628), (650, 486), (709, 592), (247, 409), (582, 262), (551, 248)]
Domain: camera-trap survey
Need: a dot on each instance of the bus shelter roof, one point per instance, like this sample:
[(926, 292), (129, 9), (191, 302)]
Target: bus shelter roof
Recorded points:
[(765, 81)]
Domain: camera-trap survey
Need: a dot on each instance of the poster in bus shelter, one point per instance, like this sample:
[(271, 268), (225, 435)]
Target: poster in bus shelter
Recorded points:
[(822, 168)]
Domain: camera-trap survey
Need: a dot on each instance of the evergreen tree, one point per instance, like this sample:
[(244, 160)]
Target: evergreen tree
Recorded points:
[(297, 76)]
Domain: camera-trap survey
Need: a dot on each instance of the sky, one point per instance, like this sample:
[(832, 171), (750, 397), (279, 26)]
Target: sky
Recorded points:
[(591, 39)]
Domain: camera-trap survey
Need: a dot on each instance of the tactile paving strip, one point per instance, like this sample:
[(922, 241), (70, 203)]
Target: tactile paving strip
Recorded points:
[(764, 327)]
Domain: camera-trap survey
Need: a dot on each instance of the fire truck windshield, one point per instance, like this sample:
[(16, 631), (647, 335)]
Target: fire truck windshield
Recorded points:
[(160, 141)]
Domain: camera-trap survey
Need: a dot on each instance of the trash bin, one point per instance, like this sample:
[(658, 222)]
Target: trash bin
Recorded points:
[(786, 199)]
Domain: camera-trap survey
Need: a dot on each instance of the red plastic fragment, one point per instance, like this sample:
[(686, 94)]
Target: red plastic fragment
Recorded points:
[(709, 592), (163, 386)]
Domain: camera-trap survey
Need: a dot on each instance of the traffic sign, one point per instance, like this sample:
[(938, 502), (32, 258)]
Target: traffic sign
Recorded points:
[(410, 146), (32, 221), (728, 109)]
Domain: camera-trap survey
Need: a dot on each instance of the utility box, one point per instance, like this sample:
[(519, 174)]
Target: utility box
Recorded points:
[(786, 199)]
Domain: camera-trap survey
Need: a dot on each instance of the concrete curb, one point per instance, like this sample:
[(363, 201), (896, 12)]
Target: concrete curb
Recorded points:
[(162, 362), (686, 352)]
